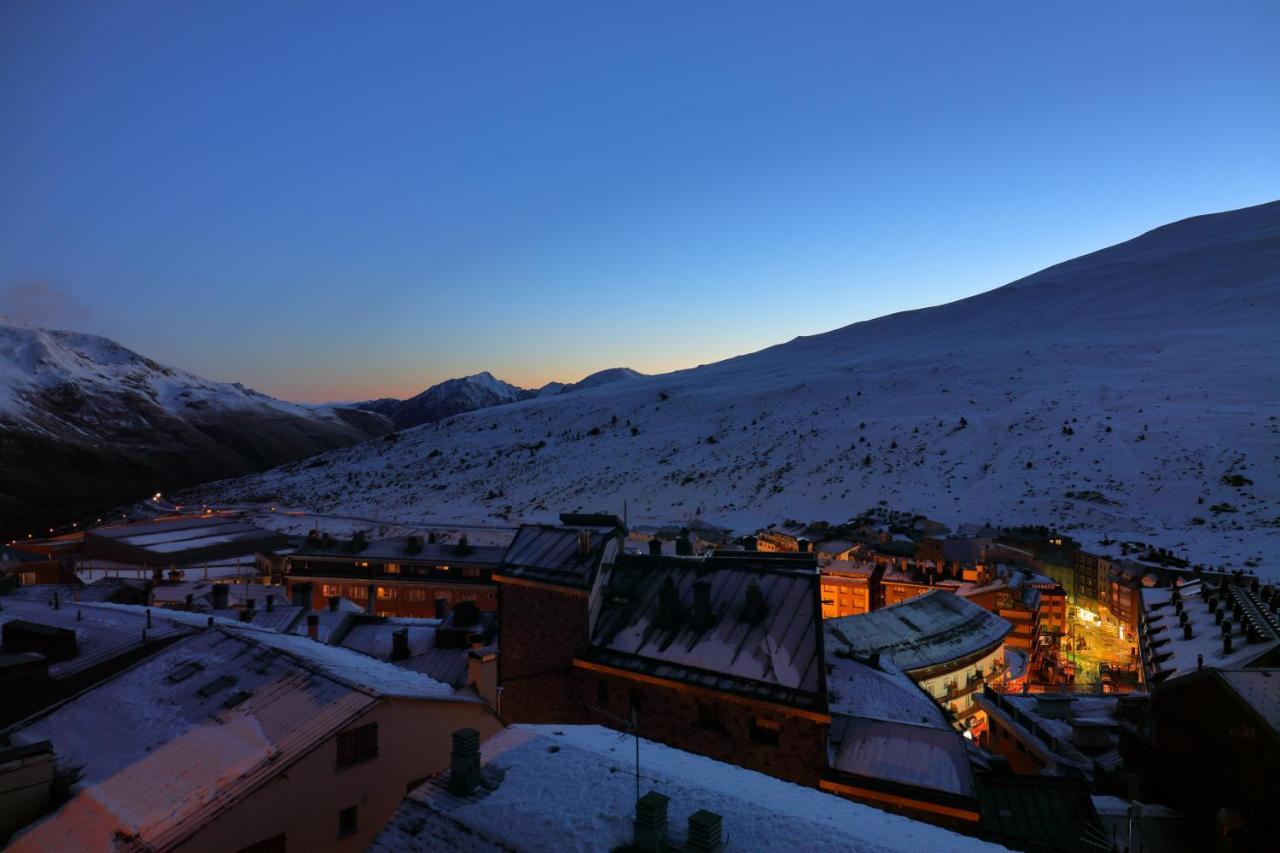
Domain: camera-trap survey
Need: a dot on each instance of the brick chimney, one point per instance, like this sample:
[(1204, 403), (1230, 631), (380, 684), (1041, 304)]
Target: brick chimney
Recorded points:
[(705, 833), (464, 764), (313, 626), (650, 829)]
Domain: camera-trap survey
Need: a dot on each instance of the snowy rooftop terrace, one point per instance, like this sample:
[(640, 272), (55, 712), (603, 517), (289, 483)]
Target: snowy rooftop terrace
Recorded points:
[(928, 630), (572, 788), (1167, 650)]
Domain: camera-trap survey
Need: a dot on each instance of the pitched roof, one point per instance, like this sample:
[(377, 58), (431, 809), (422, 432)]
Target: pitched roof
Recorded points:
[(776, 657), (928, 630), (922, 756), (575, 785), (552, 553), (167, 744)]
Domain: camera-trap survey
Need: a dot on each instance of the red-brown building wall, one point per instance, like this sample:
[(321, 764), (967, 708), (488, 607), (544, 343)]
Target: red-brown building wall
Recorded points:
[(543, 629)]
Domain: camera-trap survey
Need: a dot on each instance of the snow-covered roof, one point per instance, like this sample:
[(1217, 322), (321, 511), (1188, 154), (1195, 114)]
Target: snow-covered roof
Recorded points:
[(1168, 653), (928, 630), (102, 631), (554, 554), (883, 693), (165, 745), (397, 550), (922, 756), (774, 657), (571, 788)]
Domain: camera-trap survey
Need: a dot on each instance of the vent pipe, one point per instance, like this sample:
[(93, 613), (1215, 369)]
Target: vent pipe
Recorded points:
[(1226, 644), (464, 763), (650, 829)]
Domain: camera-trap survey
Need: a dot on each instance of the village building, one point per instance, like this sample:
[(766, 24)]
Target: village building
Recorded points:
[(238, 738), (405, 576), (902, 580), (948, 645), (1210, 746), (553, 788), (849, 587), (184, 540)]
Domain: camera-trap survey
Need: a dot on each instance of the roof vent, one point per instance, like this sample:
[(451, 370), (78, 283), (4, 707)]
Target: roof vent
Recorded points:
[(313, 626), (1226, 644), (219, 596), (400, 644), (584, 543), (705, 832), (655, 547), (754, 609), (668, 605), (464, 767), (650, 830)]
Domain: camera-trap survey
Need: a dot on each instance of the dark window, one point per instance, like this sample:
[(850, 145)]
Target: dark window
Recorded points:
[(358, 745), (220, 683), (709, 716), (274, 844), (347, 822), (602, 692), (766, 731)]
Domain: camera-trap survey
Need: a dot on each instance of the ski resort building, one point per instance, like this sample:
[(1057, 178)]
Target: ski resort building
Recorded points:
[(405, 576), (947, 644), (849, 587), (187, 540)]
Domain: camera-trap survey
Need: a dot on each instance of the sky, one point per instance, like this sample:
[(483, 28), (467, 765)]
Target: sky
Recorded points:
[(338, 201)]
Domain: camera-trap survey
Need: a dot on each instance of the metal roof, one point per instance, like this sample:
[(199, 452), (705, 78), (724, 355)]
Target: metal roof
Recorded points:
[(903, 753), (928, 630), (396, 550), (550, 554), (778, 656)]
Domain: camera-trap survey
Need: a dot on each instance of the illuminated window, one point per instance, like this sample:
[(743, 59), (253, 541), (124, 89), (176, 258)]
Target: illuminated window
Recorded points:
[(357, 592), (331, 589), (471, 572), (386, 592), (392, 568), (363, 565), (417, 595)]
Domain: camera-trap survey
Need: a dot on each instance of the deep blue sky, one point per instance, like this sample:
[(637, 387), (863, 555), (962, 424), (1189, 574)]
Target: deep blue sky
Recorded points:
[(332, 201)]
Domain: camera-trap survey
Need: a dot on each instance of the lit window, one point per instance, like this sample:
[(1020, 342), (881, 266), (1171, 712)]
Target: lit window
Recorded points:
[(386, 592), (358, 592), (331, 589), (417, 595), (363, 565), (392, 568)]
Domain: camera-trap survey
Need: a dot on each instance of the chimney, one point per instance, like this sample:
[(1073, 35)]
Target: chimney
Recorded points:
[(247, 614), (191, 602), (464, 766), (372, 591), (210, 622), (148, 617), (684, 547), (668, 605), (1226, 644), (650, 829), (400, 644), (701, 619), (300, 595), (249, 603), (705, 833), (334, 601), (753, 609), (584, 543), (482, 673), (442, 608), (1199, 661), (313, 626), (655, 546), (873, 660), (219, 596), (1186, 631), (57, 605), (271, 602)]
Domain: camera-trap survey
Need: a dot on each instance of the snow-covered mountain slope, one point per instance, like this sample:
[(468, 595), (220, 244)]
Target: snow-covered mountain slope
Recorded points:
[(479, 391), (86, 423), (1133, 392)]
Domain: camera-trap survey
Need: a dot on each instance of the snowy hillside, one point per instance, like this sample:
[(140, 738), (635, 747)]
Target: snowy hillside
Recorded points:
[(1132, 392), (86, 423)]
